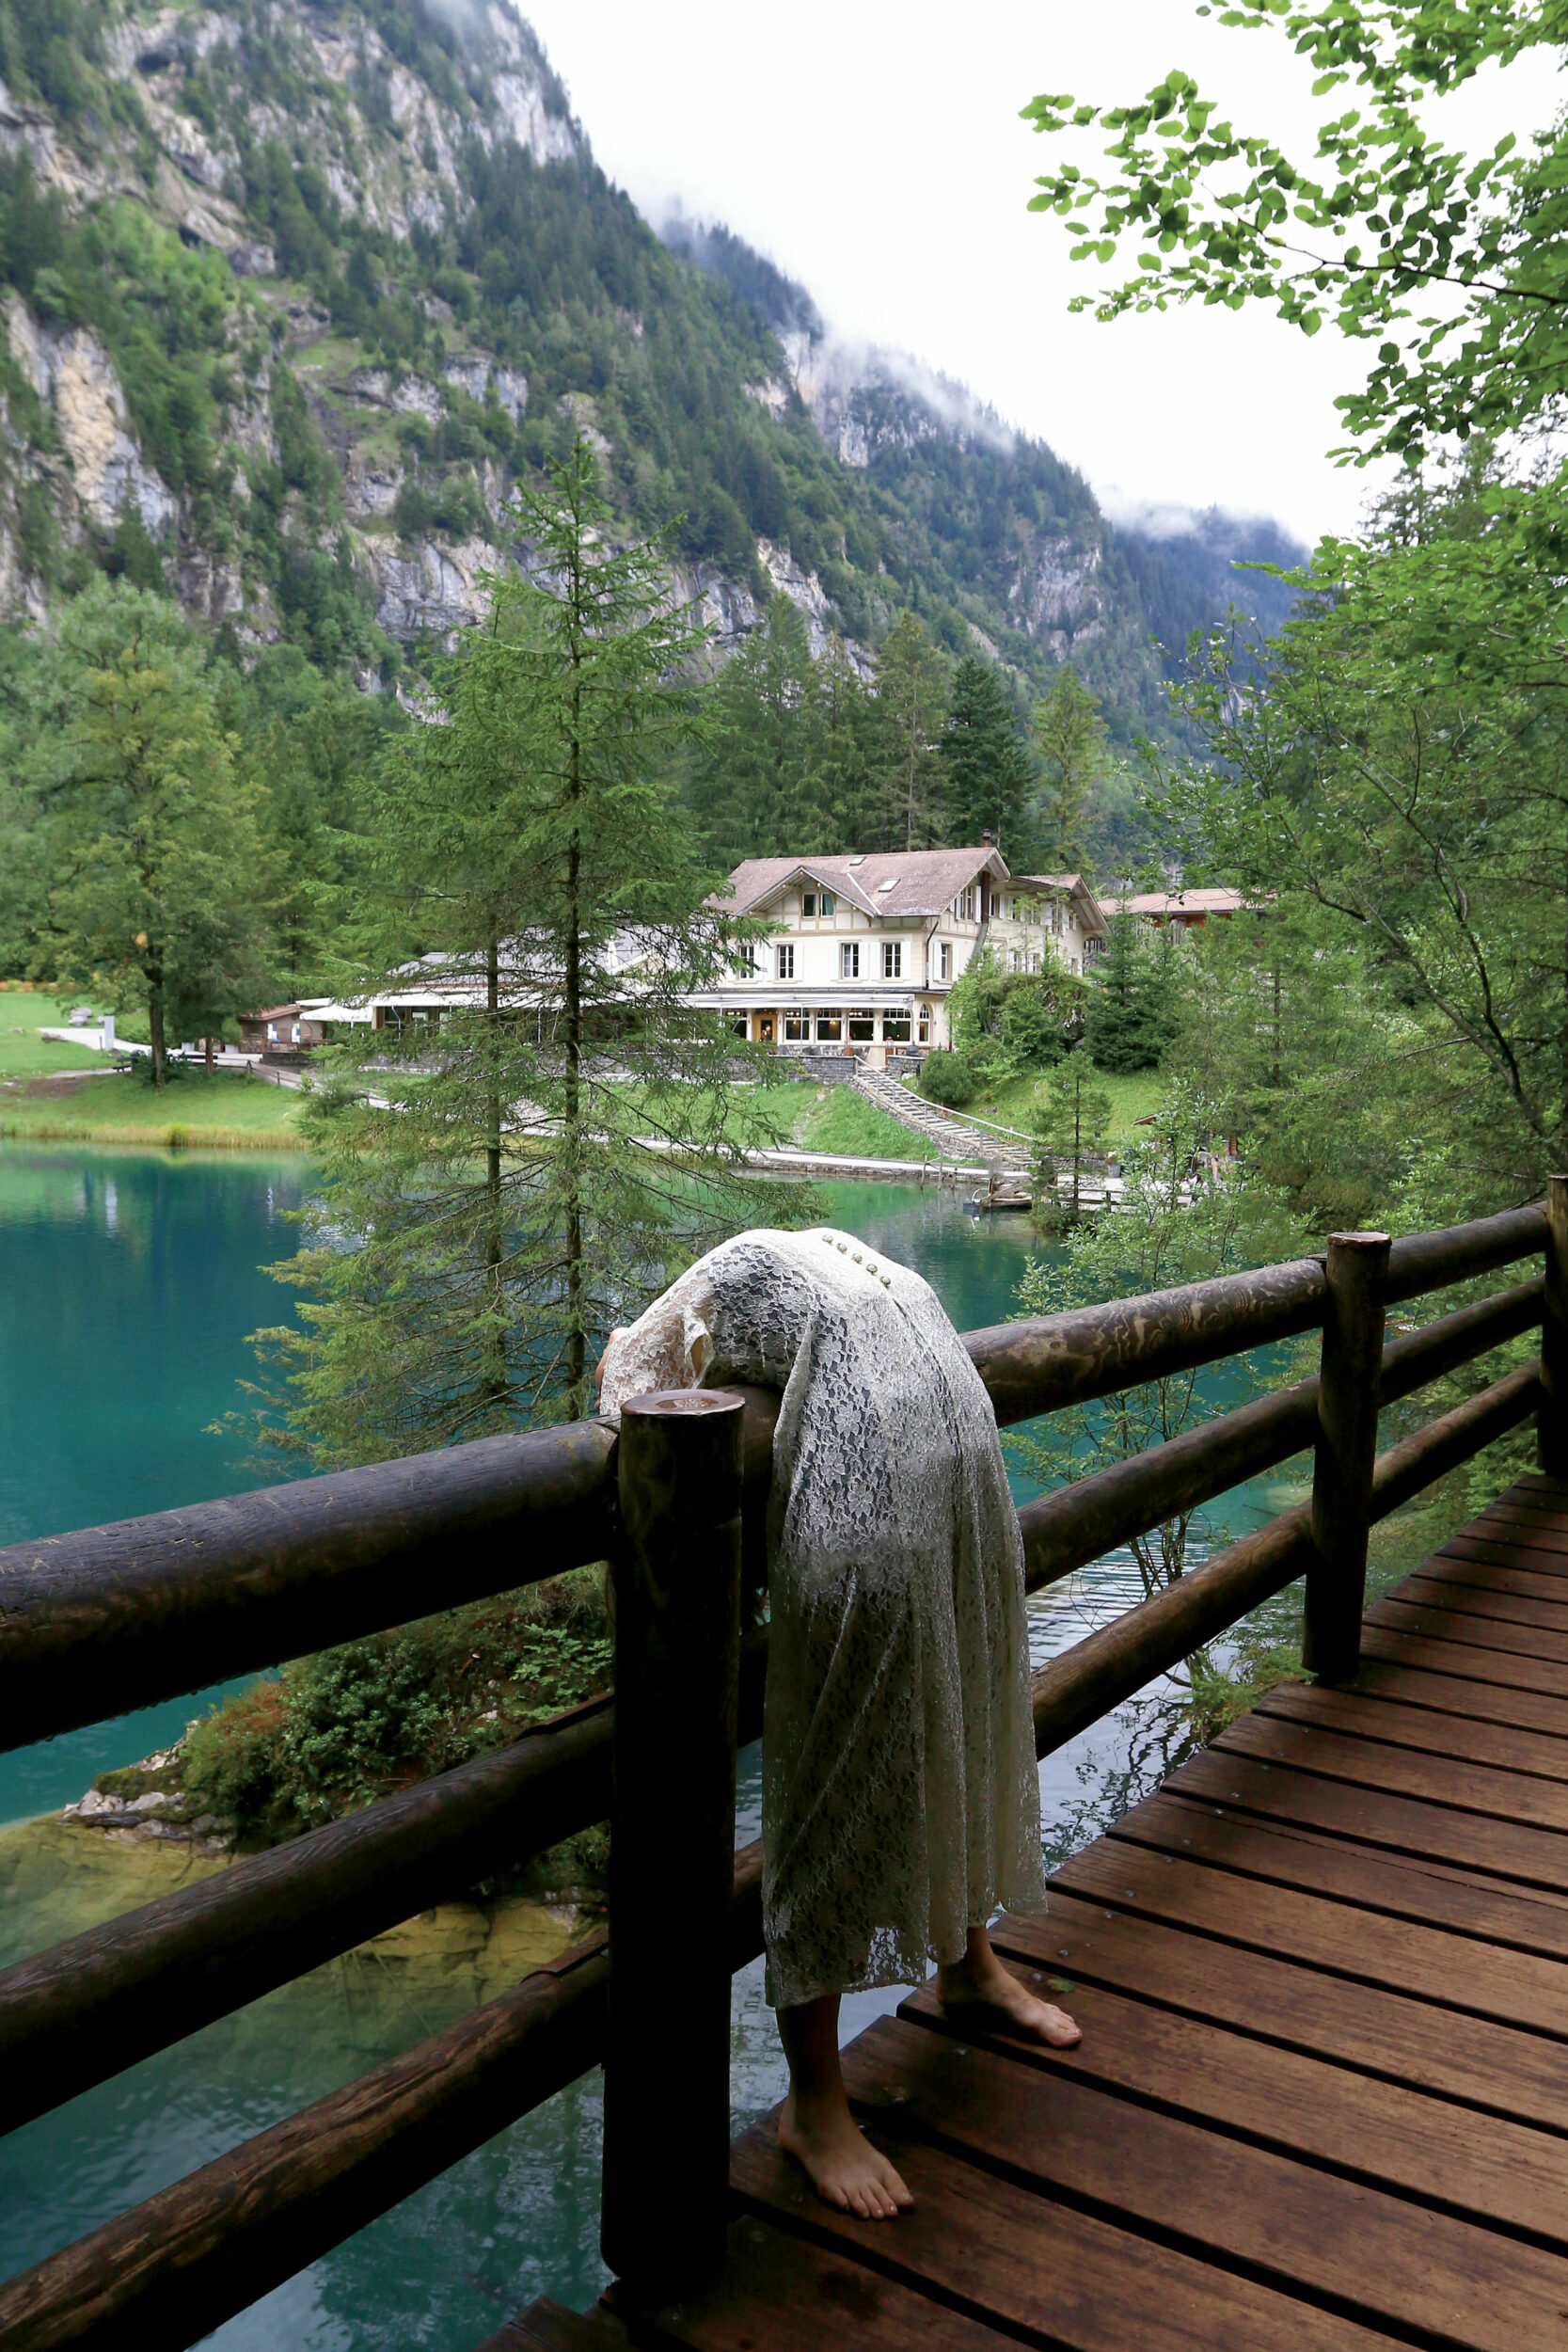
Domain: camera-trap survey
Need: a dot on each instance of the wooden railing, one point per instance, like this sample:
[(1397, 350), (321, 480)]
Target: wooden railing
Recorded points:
[(102, 1621)]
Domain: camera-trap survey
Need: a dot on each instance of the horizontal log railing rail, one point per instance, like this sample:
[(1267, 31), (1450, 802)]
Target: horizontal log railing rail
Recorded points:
[(117, 1618)]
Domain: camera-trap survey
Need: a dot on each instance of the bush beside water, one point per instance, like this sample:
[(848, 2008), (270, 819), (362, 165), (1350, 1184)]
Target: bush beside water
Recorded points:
[(333, 1732)]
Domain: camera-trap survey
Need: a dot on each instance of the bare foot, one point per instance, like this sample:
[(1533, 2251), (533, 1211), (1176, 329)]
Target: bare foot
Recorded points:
[(840, 2162), (982, 1987)]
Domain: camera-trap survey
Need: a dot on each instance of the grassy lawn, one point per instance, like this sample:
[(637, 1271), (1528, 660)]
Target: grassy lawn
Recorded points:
[(836, 1119), (22, 1052), (1131, 1099), (240, 1113)]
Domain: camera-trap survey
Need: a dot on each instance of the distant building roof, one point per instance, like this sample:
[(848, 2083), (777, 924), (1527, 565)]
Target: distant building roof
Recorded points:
[(1073, 882), (919, 881), (1215, 901)]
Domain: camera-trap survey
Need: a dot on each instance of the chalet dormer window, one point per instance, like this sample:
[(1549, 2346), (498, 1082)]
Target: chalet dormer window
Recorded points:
[(808, 906), (828, 905)]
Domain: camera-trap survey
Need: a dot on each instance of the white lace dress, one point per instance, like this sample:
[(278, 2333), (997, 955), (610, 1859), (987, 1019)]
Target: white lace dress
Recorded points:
[(900, 1804)]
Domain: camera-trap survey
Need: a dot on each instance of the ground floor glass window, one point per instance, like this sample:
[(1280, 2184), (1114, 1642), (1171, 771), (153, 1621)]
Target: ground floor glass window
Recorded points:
[(830, 1028)]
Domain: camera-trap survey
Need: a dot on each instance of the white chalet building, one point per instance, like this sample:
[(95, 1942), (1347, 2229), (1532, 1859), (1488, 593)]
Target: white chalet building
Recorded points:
[(860, 952)]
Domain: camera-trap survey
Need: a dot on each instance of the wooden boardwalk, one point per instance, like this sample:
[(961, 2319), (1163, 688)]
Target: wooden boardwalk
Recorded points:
[(1321, 2098)]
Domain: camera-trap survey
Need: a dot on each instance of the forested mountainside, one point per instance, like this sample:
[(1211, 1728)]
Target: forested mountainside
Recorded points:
[(294, 291)]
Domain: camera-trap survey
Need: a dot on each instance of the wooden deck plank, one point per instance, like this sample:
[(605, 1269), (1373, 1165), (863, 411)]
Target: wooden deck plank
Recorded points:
[(786, 2293), (1549, 1518), (1439, 1623), (1041, 2268), (1507, 1670), (1488, 1576), (1517, 1547), (1378, 1768), (1299, 2229), (1502, 2070), (1391, 2136), (1430, 1731), (1525, 1857), (1367, 1947), (1481, 1598), (1456, 1695), (1402, 1886), (547, 2327)]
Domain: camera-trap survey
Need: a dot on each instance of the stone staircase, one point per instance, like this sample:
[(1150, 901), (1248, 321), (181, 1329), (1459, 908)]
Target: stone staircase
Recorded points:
[(954, 1138)]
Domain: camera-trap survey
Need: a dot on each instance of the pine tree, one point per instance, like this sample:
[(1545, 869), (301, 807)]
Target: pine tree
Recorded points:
[(533, 1172), (989, 780), (1069, 1126), (159, 889), (911, 695), (1128, 1019), (755, 784), (1075, 752), (850, 752)]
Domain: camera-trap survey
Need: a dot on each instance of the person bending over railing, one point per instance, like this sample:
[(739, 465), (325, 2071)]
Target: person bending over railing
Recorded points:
[(900, 1804)]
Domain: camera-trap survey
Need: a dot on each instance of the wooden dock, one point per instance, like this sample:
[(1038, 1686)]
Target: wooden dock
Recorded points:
[(1321, 2098)]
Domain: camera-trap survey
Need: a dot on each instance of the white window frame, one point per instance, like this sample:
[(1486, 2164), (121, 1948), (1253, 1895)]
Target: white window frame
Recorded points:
[(893, 959), (944, 960), (849, 960), (786, 966)]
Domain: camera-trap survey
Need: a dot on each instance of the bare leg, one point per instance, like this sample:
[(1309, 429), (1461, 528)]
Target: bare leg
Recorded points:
[(817, 2127), (981, 1983)]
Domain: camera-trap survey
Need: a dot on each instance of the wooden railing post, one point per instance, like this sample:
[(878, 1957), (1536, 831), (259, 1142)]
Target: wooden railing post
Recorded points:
[(672, 1851), (1551, 1425), (1346, 1448)]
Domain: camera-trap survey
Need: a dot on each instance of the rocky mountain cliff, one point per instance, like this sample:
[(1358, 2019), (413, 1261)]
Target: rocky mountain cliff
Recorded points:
[(295, 290)]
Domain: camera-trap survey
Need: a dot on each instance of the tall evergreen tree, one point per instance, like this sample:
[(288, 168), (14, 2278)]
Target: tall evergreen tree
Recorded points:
[(1070, 1128), (850, 752), (756, 782), (989, 779), (1129, 1016), (159, 879), (1074, 748), (509, 1183), (912, 694)]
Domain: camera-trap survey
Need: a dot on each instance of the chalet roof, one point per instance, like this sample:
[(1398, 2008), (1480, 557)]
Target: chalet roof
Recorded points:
[(1073, 883), (276, 1012), (1208, 901), (919, 881)]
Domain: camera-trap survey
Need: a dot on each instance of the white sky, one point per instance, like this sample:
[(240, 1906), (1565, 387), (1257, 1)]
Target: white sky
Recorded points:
[(875, 154)]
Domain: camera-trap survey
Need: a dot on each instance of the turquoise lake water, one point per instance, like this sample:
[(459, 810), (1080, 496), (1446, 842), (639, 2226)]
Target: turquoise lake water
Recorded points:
[(128, 1282)]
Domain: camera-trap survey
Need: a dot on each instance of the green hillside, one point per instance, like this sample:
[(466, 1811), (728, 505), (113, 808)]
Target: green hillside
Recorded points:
[(295, 292)]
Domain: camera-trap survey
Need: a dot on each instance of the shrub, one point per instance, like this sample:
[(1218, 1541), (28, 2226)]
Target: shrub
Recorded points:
[(336, 1731), (949, 1079)]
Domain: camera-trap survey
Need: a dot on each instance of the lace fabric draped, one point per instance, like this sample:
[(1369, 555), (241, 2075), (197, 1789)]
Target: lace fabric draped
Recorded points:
[(900, 1803)]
